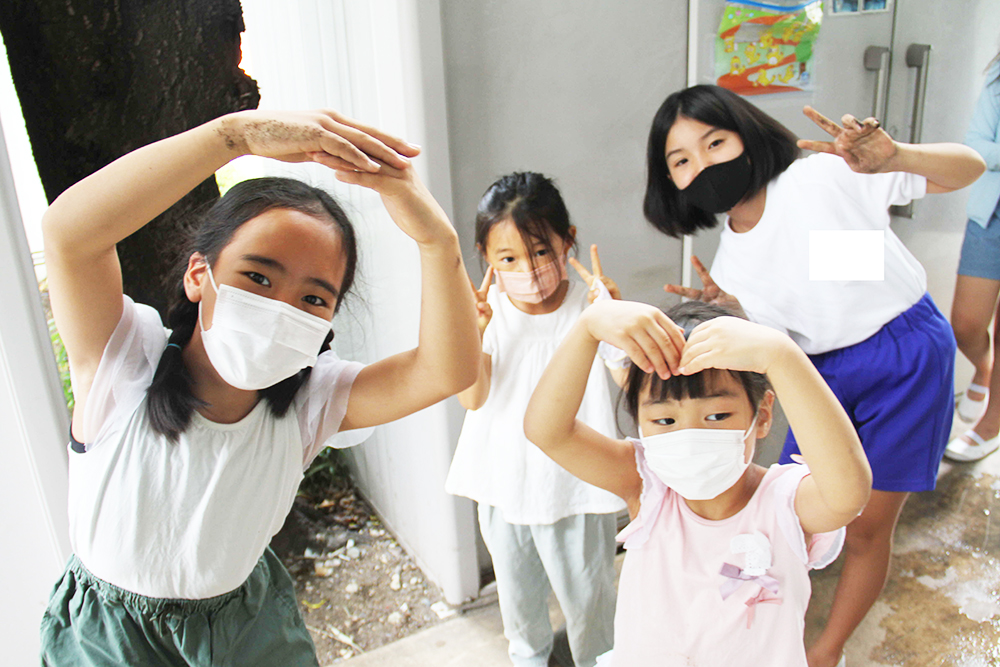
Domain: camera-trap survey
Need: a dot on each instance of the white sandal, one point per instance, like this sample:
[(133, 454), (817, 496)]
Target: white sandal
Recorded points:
[(962, 451), (843, 661), (970, 410)]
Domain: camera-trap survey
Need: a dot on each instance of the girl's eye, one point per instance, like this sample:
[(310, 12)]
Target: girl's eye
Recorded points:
[(665, 421), (680, 162), (314, 300), (542, 252), (715, 143), (718, 416), (506, 260), (258, 278)]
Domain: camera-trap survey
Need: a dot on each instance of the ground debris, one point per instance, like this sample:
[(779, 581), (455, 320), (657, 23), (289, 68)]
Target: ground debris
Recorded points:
[(357, 588)]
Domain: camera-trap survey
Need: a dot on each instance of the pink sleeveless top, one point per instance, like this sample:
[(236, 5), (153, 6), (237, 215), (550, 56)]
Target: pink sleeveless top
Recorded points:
[(708, 593)]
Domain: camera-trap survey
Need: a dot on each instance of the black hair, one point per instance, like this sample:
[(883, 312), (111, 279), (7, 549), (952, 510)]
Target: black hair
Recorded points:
[(770, 146), (688, 315), (532, 202), (170, 400)]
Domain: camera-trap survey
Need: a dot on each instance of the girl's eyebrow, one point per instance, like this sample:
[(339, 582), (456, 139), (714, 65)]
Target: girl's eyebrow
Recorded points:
[(701, 138), (278, 266)]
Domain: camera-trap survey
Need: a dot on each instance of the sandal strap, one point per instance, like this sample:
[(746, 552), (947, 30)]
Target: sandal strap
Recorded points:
[(977, 387), (975, 437)]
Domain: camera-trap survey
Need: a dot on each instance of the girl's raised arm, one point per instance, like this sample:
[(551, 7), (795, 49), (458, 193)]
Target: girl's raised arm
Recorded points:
[(446, 359), (840, 479), (868, 149), (83, 225), (651, 340)]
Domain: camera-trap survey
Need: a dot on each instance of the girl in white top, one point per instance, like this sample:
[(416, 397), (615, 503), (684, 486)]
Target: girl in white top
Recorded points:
[(882, 345), (545, 529), (189, 444)]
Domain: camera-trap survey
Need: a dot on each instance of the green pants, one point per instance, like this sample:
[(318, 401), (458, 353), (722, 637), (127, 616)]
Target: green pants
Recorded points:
[(90, 623)]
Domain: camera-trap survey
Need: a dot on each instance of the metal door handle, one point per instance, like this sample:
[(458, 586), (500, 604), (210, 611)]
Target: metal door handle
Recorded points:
[(877, 60), (918, 56)]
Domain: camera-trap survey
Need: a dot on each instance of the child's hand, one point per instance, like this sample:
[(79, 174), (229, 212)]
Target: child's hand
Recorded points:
[(710, 292), (484, 312), (651, 340), (408, 202), (733, 343), (598, 274), (864, 145), (321, 136)]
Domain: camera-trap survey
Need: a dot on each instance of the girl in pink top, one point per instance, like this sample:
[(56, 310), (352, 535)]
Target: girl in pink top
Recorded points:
[(719, 549)]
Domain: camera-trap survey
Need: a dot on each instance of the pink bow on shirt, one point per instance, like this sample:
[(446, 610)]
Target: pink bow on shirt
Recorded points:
[(752, 603), (736, 578)]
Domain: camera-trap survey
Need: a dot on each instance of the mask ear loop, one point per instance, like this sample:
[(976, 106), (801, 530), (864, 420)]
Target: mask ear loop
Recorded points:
[(211, 279)]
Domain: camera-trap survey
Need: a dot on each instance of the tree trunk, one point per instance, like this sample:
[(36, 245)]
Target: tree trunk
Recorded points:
[(99, 78)]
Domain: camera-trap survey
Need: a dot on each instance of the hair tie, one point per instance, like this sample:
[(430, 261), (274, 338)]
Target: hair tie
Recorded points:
[(174, 345)]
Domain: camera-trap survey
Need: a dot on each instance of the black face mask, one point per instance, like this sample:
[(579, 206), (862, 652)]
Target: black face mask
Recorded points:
[(721, 186)]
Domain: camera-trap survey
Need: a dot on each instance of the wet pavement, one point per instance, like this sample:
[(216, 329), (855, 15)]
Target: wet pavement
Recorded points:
[(941, 605)]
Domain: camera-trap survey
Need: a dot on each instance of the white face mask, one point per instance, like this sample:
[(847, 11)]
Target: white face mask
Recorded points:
[(255, 341), (698, 463)]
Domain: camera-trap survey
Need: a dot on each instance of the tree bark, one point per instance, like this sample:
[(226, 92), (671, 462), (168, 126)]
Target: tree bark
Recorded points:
[(99, 78)]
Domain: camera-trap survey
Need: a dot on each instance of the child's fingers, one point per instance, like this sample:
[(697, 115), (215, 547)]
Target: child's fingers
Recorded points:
[(686, 292), (332, 161), (395, 143), (595, 261), (487, 280), (850, 122), (366, 139), (817, 146), (825, 123), (580, 269), (703, 274)]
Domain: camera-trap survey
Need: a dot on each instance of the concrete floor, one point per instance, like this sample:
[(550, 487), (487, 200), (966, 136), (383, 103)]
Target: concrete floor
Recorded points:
[(941, 607)]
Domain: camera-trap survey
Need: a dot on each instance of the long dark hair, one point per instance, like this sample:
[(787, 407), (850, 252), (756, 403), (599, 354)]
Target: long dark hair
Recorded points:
[(532, 202), (170, 400), (688, 315), (770, 146)]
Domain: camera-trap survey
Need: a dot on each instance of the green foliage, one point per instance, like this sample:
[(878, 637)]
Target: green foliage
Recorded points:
[(327, 471), (62, 363)]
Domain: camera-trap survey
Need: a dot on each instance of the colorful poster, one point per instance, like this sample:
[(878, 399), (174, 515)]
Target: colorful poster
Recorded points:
[(765, 47)]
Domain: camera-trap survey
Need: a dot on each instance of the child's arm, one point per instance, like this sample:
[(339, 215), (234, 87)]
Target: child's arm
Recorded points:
[(651, 340), (448, 351), (840, 481), (83, 225), (475, 396), (868, 149)]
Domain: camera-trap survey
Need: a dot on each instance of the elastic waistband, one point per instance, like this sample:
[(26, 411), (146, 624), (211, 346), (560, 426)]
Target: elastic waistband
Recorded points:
[(916, 315), (149, 605)]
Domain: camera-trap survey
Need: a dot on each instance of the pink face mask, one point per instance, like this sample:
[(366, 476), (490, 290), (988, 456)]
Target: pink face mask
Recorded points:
[(532, 286)]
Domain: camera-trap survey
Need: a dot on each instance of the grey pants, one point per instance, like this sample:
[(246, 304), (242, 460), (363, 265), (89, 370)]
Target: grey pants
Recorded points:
[(575, 558)]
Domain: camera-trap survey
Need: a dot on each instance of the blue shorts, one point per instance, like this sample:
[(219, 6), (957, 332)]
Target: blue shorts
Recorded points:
[(897, 387), (981, 250)]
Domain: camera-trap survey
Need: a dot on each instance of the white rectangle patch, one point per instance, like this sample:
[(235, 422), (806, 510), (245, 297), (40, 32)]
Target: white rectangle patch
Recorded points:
[(847, 255)]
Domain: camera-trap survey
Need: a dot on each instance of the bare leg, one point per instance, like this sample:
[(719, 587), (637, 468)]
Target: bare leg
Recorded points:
[(867, 550), (973, 308)]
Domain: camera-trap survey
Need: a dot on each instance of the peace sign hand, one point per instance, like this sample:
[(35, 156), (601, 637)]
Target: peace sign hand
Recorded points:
[(598, 274), (864, 145), (484, 312), (710, 292)]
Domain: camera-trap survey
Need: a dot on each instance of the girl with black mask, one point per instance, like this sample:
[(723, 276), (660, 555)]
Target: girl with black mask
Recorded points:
[(880, 342)]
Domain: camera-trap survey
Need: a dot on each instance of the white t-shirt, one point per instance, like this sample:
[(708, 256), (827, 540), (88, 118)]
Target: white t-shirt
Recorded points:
[(767, 268), (495, 463), (187, 519)]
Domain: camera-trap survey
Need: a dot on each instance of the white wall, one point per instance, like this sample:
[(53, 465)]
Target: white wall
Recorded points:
[(378, 61), (33, 429)]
